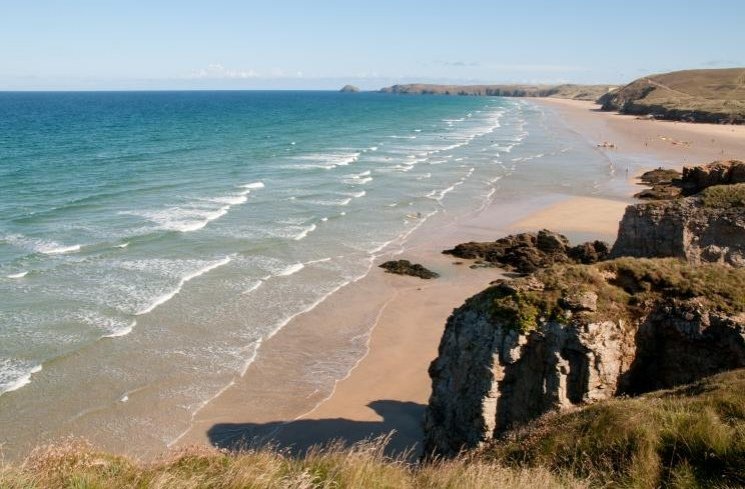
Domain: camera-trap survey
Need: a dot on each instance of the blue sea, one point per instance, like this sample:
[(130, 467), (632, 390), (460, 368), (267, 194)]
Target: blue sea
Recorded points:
[(151, 241)]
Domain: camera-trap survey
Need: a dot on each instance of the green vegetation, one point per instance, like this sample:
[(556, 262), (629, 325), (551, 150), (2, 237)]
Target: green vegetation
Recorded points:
[(691, 437), (717, 286), (622, 286), (77, 465), (724, 196)]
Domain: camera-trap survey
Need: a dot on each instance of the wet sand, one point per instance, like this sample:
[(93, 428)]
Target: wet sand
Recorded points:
[(388, 388)]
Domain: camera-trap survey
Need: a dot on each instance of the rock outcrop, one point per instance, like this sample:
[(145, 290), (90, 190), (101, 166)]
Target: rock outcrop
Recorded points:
[(669, 184), (573, 334), (349, 89), (527, 252), (405, 267), (697, 178), (709, 227)]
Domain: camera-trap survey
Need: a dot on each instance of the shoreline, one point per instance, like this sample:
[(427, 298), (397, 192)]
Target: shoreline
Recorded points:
[(387, 387)]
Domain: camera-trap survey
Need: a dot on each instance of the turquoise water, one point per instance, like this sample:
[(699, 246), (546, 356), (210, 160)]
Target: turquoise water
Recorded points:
[(167, 234)]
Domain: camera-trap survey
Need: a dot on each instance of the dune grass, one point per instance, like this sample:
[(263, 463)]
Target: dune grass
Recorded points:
[(689, 437), (75, 464)]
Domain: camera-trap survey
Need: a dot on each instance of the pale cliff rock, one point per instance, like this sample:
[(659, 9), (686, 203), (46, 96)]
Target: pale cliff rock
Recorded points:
[(575, 334), (683, 228)]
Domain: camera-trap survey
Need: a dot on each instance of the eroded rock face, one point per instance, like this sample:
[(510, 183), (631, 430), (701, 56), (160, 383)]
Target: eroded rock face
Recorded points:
[(521, 349), (683, 228), (697, 178)]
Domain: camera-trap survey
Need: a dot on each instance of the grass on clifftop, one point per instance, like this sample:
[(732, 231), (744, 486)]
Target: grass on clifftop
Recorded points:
[(690, 437), (724, 196), (622, 286)]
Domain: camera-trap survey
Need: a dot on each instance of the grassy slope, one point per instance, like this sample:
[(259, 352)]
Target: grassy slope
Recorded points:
[(693, 436), (707, 95)]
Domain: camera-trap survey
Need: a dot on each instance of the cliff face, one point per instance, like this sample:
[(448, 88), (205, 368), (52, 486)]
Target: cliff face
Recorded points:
[(685, 228), (573, 334)]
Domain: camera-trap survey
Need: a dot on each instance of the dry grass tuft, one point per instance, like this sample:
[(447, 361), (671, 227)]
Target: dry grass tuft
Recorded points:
[(75, 464)]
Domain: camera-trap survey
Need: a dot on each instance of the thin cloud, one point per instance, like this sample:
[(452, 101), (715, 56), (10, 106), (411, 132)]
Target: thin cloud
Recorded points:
[(460, 64), (219, 72)]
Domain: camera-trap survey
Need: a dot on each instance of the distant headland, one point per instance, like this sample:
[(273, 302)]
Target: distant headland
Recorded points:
[(714, 95)]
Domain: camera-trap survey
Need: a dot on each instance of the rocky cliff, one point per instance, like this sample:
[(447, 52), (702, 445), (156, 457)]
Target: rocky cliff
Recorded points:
[(707, 227), (573, 334)]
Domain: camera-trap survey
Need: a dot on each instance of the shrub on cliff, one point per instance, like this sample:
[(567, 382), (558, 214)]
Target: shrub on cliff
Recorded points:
[(724, 196), (692, 436)]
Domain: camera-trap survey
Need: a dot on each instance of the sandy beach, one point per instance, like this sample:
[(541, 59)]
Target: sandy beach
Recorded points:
[(388, 389)]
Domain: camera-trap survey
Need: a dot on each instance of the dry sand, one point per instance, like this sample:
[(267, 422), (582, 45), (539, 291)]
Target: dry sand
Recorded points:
[(389, 388)]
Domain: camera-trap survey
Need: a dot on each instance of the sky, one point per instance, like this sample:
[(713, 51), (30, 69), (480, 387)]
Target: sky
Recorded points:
[(293, 44)]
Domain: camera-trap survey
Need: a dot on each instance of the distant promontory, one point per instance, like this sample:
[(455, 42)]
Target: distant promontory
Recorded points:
[(349, 89), (576, 92)]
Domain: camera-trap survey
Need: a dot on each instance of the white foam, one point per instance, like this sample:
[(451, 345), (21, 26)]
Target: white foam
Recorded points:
[(13, 377), (123, 245), (17, 275), (322, 260), (292, 269), (253, 185), (39, 245), (231, 200), (185, 219), (358, 179), (169, 295), (194, 216), (305, 232), (255, 286), (402, 137), (327, 161), (438, 195), (116, 333), (60, 250), (357, 195)]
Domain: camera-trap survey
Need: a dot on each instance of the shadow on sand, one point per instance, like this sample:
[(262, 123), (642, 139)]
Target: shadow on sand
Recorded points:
[(402, 419)]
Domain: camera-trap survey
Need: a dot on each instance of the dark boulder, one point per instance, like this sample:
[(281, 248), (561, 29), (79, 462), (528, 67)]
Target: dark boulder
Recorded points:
[(405, 267)]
